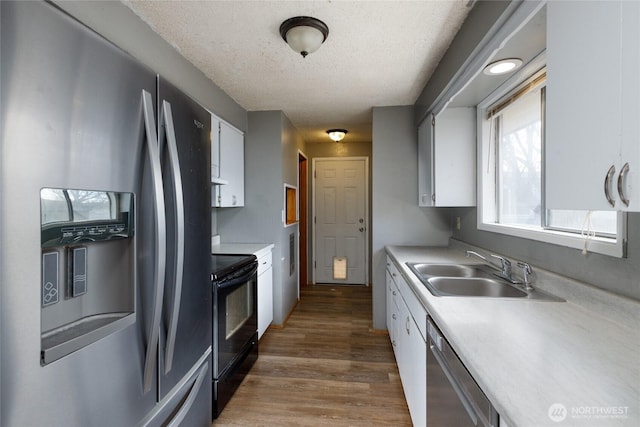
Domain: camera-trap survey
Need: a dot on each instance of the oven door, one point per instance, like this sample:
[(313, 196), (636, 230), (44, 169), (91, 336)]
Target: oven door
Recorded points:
[(235, 316)]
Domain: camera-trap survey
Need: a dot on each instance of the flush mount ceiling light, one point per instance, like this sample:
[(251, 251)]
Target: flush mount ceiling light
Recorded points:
[(503, 66), (304, 34), (337, 134)]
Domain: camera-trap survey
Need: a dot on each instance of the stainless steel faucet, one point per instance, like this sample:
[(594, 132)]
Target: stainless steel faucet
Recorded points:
[(526, 273), (505, 266), (506, 272), (469, 253)]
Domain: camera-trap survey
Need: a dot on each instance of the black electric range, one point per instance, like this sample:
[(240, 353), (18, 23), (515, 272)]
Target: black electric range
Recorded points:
[(234, 282), (223, 265)]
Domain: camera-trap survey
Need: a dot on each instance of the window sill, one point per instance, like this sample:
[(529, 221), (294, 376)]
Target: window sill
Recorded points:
[(599, 245)]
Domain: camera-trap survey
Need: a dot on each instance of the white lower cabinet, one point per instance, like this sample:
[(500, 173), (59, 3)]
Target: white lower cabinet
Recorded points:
[(404, 315), (265, 291), (392, 310), (412, 365)]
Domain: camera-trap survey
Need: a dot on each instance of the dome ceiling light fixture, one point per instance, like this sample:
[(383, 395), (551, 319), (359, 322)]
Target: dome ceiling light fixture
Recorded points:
[(502, 66), (337, 134), (304, 34)]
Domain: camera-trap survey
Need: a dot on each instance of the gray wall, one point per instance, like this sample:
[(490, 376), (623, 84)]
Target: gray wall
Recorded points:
[(271, 159), (621, 276), (333, 149), (291, 143), (397, 219)]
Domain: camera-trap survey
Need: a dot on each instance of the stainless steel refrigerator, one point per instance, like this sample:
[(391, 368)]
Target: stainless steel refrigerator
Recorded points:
[(105, 298)]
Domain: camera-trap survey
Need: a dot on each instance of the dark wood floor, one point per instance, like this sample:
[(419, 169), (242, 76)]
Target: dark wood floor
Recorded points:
[(324, 368)]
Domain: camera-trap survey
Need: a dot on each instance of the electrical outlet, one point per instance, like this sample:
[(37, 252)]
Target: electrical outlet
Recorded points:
[(458, 223)]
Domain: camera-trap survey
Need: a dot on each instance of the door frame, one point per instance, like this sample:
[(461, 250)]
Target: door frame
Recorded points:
[(303, 218), (366, 211)]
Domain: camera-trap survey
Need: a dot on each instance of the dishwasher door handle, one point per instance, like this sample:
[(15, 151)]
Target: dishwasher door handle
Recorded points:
[(464, 399)]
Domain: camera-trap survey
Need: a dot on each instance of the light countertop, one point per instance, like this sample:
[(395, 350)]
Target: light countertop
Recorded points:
[(528, 355), (257, 249)]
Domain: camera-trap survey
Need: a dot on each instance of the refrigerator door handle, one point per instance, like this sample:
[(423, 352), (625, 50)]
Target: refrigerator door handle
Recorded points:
[(160, 251), (178, 210), (193, 393)]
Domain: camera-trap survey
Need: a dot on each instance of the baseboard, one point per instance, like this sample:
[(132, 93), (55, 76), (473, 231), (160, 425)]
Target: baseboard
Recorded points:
[(286, 319), (274, 326)]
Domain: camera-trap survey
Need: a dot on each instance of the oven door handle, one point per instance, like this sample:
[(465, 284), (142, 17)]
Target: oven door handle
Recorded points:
[(178, 212), (237, 281), (464, 399)]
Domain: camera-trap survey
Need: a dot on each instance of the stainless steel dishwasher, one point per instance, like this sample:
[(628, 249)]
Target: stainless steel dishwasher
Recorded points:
[(453, 397)]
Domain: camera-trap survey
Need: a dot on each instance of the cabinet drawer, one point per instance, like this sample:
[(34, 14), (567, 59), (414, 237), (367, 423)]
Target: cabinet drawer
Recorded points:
[(264, 263), (393, 270), (416, 309)]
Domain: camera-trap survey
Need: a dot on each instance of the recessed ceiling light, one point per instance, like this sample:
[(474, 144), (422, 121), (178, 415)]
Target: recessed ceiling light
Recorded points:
[(503, 66), (337, 134)]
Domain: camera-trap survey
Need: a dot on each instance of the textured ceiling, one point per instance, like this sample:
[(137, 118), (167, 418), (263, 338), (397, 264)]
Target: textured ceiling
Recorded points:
[(378, 53)]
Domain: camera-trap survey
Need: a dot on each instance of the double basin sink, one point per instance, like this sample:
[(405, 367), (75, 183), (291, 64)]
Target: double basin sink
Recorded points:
[(471, 280)]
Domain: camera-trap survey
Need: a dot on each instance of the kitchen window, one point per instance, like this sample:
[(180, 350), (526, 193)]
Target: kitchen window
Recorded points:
[(512, 179)]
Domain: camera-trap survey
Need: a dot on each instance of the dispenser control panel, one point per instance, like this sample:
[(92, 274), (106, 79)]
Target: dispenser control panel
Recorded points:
[(73, 217)]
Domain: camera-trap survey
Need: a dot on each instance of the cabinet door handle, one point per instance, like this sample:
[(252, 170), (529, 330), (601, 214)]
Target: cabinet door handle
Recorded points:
[(393, 316), (407, 323), (607, 185), (621, 177)]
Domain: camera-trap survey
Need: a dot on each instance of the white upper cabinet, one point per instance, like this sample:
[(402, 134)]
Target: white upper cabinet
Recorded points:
[(630, 151), (215, 154), (592, 105), (447, 158), (227, 164)]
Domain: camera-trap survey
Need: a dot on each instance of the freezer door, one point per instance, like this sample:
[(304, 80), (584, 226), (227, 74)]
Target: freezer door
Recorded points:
[(185, 132), (70, 117), (189, 402)]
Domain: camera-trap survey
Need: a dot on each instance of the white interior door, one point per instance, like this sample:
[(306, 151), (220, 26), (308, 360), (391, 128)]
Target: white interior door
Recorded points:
[(340, 220)]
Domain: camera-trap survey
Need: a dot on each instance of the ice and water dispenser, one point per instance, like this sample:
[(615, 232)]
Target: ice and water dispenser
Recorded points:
[(88, 267)]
